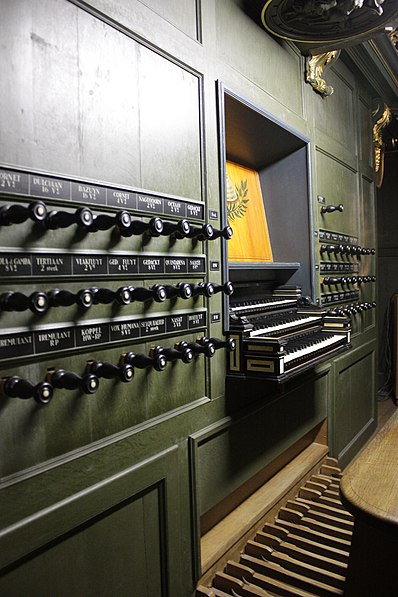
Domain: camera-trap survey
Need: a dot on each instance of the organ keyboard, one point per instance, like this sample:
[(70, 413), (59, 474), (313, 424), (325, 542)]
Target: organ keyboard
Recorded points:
[(282, 334)]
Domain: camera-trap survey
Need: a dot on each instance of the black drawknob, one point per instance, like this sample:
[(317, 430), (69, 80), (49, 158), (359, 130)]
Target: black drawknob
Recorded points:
[(37, 302), (331, 208), (204, 232), (203, 288), (83, 217), (156, 293), (16, 387), (336, 312), (105, 296), (329, 281), (229, 343), (182, 353), (181, 290), (124, 372), (68, 380), (330, 249), (180, 229), (202, 346), (121, 220), (227, 288), (339, 249), (155, 359), (154, 227), (225, 232), (17, 214), (65, 298)]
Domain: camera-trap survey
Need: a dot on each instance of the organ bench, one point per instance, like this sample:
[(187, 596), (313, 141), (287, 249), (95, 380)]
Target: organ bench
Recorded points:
[(369, 490)]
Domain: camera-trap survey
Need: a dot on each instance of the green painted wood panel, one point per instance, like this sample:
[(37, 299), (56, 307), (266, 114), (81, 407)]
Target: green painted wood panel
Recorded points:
[(338, 184), (234, 449), (353, 415), (272, 66), (107, 539), (335, 117)]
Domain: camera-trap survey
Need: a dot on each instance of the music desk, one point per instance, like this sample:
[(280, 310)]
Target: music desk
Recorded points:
[(369, 490)]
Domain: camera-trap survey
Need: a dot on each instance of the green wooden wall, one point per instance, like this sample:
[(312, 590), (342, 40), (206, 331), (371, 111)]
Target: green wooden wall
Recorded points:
[(102, 494)]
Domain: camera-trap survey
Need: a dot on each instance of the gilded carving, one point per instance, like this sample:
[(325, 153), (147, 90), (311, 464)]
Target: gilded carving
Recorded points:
[(378, 145), (315, 67)]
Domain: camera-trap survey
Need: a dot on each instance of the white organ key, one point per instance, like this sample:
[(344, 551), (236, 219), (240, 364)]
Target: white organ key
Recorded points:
[(256, 306), (284, 326), (313, 348)]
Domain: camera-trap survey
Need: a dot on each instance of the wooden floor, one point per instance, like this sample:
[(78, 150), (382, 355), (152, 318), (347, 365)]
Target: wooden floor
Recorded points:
[(386, 407)]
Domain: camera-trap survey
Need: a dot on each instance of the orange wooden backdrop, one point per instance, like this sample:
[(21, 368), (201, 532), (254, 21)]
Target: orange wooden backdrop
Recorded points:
[(246, 216)]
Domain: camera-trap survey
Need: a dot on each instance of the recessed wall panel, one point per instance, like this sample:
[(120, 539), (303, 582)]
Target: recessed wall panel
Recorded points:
[(258, 57), (335, 117)]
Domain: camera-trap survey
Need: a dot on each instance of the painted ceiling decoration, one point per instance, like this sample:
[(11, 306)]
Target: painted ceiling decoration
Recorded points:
[(319, 26)]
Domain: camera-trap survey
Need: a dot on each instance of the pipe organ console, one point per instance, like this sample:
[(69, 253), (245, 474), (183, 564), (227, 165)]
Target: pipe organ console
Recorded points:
[(60, 287), (279, 334)]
